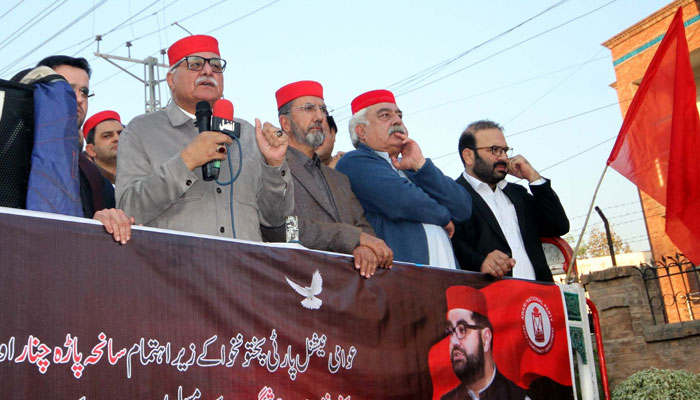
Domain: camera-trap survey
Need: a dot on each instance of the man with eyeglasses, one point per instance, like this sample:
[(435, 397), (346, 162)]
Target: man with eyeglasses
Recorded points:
[(96, 193), (503, 235), (408, 201), (159, 179), (330, 217), (471, 349)]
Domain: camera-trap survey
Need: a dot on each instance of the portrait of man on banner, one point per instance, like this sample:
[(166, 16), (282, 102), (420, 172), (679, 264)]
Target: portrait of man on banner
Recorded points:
[(483, 355)]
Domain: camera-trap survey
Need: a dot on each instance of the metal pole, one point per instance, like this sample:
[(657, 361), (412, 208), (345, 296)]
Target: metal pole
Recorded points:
[(570, 275), (151, 105), (607, 233)]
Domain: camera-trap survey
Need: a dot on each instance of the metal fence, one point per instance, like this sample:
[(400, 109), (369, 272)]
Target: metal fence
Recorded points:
[(673, 289)]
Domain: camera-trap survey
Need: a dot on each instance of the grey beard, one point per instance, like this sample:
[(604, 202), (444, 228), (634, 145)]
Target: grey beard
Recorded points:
[(308, 138)]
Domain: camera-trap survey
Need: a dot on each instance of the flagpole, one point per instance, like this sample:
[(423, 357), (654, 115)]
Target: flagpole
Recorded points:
[(570, 273)]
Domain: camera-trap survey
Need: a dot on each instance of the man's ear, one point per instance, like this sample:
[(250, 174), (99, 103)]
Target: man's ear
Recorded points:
[(360, 132), (285, 123), (169, 79), (468, 157), (487, 338), (90, 149)]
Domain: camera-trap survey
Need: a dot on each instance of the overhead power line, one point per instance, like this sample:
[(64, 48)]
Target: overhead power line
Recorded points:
[(30, 23), (11, 8), (430, 71), (52, 37), (504, 50), (343, 110), (182, 20)]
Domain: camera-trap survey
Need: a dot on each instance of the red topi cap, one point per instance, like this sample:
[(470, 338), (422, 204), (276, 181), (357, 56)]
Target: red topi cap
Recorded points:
[(467, 298), (97, 118), (371, 98), (190, 45), (287, 93)]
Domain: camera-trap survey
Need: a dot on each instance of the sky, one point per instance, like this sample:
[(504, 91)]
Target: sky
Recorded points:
[(538, 68)]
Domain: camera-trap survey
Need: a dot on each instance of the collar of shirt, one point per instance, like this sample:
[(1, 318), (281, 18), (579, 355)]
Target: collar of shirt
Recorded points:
[(192, 116), (385, 156), (493, 376), (475, 183), (313, 163)]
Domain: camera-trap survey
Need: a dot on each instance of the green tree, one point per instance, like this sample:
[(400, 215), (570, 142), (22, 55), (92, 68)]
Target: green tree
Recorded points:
[(597, 244), (572, 242)]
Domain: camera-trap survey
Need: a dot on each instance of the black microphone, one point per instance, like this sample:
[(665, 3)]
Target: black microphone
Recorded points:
[(210, 170)]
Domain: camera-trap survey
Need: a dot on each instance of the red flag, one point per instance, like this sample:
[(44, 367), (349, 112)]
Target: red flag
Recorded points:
[(659, 142)]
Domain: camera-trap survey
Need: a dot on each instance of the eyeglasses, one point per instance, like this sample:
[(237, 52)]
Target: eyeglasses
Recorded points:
[(460, 330), (311, 109), (82, 92), (196, 63), (498, 150)]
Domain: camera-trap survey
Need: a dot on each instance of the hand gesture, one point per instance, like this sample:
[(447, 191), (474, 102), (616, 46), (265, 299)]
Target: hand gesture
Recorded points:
[(521, 169), (272, 143), (497, 264), (411, 155), (205, 147)]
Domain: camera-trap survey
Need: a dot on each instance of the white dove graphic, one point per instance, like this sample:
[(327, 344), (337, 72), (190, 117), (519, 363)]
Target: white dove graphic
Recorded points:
[(309, 292)]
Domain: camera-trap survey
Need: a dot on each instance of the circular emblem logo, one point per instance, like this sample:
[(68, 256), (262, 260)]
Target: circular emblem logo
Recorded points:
[(536, 320)]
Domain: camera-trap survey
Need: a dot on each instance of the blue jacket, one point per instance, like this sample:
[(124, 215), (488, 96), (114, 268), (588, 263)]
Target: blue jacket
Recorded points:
[(396, 207), (54, 184)]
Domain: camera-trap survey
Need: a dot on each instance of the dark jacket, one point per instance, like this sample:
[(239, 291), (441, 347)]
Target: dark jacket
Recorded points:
[(540, 214)]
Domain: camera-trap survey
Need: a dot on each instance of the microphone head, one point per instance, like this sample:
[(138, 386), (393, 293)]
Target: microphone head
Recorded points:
[(223, 109), (202, 108)]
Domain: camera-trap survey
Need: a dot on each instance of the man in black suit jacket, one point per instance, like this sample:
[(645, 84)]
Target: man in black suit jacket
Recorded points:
[(502, 236)]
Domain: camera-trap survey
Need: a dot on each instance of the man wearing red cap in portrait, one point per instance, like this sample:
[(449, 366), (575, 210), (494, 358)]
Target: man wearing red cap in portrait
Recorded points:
[(330, 217), (158, 176), (471, 349), (102, 139), (408, 200)]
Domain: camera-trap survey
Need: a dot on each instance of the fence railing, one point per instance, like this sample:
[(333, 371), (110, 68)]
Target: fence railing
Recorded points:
[(673, 289)]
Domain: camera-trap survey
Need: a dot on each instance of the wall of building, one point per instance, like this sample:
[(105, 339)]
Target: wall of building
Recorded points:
[(631, 340)]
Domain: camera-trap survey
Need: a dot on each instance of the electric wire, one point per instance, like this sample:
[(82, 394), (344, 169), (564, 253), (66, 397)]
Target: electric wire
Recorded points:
[(30, 24), (11, 8), (434, 69), (504, 50), (52, 37)]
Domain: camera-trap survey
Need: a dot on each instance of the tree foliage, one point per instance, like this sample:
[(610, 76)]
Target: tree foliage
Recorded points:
[(597, 244)]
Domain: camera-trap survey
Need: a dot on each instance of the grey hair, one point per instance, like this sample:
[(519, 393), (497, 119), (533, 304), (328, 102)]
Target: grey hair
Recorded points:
[(358, 118)]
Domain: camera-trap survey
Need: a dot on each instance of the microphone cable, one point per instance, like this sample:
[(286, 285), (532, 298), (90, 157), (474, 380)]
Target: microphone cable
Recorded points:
[(233, 178)]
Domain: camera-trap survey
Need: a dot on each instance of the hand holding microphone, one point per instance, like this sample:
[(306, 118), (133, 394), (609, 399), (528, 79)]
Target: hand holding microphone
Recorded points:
[(206, 148)]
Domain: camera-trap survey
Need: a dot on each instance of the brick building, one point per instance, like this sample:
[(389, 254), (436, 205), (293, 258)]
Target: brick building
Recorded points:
[(632, 51)]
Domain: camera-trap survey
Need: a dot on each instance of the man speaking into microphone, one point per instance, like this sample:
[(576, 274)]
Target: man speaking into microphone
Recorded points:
[(159, 176)]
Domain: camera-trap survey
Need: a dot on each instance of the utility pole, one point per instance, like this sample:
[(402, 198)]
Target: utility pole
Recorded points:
[(150, 80)]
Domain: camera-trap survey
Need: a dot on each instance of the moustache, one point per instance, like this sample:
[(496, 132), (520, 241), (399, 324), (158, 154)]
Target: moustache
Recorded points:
[(205, 79), (397, 128), (503, 163)]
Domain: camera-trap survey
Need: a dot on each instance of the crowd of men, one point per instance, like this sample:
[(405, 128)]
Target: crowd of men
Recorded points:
[(382, 202)]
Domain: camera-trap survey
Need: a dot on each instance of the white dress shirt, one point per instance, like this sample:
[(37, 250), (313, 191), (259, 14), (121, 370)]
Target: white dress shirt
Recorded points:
[(505, 214)]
